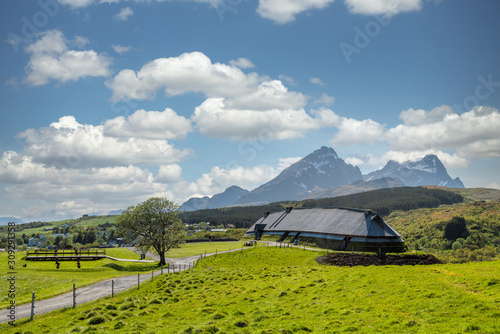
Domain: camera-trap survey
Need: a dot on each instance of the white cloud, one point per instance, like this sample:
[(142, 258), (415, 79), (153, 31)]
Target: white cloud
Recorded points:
[(419, 117), (121, 49), (284, 11), (384, 7), (242, 63), (472, 133), (190, 72), (73, 192), (317, 81), (149, 124), (124, 14), (219, 179), (69, 144), (287, 162), (194, 72), (268, 95), (214, 119), (354, 132), (76, 3), (169, 174), (325, 99), (51, 59)]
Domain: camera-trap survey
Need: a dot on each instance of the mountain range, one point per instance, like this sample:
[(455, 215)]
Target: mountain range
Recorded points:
[(323, 174)]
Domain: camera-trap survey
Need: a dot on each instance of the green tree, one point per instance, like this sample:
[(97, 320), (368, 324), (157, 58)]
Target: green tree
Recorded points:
[(154, 224), (456, 228)]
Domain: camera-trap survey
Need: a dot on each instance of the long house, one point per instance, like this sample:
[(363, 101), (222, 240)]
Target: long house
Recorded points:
[(334, 227)]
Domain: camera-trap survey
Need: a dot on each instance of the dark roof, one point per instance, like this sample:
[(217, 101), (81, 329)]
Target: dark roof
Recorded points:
[(329, 221)]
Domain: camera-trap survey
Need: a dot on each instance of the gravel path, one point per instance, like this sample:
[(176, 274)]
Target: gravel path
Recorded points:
[(98, 290)]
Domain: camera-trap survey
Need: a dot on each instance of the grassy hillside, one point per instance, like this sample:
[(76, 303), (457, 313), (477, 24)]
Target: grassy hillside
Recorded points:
[(424, 229), (273, 290)]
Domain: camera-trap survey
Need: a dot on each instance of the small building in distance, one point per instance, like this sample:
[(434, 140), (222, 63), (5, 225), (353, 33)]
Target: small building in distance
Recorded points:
[(335, 228)]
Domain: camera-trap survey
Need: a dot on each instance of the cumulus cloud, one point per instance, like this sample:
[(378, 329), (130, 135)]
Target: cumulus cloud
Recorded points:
[(149, 124), (268, 95), (73, 192), (383, 7), (50, 59), (238, 105), (68, 143), (190, 72), (169, 174), (285, 11), (214, 119), (124, 14), (354, 132), (473, 132)]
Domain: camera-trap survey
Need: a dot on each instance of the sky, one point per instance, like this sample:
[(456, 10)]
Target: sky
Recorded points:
[(106, 103)]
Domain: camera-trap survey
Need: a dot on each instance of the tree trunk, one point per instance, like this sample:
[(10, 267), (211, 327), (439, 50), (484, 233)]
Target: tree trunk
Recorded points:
[(162, 259)]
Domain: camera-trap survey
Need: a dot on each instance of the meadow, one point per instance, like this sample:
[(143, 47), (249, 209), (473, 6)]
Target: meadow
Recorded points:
[(46, 281), (197, 248), (284, 290)]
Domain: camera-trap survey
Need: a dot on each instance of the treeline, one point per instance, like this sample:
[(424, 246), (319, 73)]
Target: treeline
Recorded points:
[(240, 217), (384, 201)]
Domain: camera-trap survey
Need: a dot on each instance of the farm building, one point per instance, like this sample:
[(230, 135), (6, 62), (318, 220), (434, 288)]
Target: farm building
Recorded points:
[(336, 228)]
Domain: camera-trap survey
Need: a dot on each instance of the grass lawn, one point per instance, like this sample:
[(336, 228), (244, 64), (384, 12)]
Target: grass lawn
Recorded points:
[(273, 290), (47, 281), (197, 248), (123, 253)]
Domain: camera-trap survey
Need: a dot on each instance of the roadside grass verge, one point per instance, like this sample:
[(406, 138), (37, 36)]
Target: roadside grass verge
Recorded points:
[(46, 281), (273, 290)]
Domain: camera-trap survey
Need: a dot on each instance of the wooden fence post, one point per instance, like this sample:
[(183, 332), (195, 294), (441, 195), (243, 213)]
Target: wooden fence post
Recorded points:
[(32, 305), (74, 295)]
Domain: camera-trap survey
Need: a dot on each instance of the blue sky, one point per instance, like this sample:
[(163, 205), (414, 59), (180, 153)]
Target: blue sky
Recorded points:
[(105, 103)]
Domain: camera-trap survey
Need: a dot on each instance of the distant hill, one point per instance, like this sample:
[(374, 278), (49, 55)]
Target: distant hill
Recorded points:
[(6, 220), (227, 198)]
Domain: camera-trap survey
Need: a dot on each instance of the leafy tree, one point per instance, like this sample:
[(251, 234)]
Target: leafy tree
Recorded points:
[(153, 224), (456, 228)]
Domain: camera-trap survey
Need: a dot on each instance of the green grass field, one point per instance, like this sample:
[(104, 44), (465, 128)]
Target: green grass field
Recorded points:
[(197, 248), (273, 290), (47, 281)]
